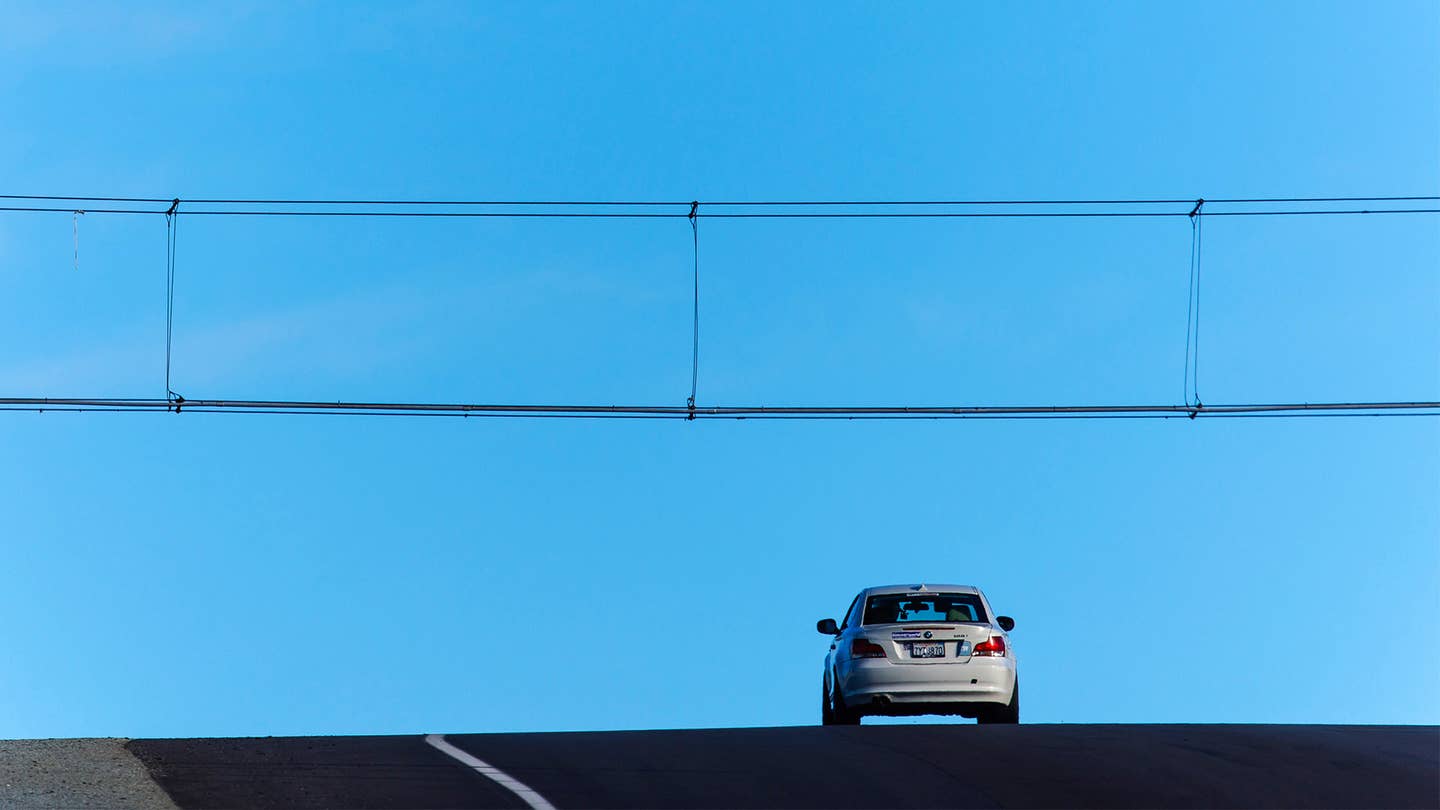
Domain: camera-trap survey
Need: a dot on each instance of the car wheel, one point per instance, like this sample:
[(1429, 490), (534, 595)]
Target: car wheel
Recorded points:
[(827, 715), (1009, 714), (840, 714)]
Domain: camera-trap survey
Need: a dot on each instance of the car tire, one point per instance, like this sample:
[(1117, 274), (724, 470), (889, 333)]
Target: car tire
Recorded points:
[(834, 712), (827, 716), (1009, 714)]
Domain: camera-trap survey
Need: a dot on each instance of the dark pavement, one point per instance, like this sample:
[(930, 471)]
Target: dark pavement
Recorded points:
[(959, 765)]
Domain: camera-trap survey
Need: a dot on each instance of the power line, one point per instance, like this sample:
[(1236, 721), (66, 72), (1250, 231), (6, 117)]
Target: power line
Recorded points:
[(356, 207), (348, 208), (472, 202), (1415, 408), (762, 417), (726, 215), (82, 199), (1177, 201), (1064, 214)]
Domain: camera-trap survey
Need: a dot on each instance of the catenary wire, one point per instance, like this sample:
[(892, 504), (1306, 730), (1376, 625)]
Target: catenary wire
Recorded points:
[(1185, 411), (683, 417), (728, 215), (716, 215), (470, 202), (792, 411)]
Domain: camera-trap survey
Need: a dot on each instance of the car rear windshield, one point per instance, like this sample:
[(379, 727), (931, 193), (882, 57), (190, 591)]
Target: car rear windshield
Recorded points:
[(899, 608)]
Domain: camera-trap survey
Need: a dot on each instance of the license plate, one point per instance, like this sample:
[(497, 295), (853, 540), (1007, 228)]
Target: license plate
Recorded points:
[(927, 650)]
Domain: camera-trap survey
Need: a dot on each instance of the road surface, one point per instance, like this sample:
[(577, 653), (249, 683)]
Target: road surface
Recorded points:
[(816, 767)]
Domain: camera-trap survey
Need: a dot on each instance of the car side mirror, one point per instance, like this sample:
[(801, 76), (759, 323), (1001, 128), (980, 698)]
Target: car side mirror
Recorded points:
[(827, 626), (1006, 623)]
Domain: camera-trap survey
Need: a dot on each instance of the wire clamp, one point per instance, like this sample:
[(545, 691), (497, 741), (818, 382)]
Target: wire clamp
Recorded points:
[(694, 207), (1195, 411), (1195, 212), (174, 205), (176, 401)]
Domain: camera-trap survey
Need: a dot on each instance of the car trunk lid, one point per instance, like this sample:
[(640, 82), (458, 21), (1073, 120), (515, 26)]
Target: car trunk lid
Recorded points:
[(928, 644)]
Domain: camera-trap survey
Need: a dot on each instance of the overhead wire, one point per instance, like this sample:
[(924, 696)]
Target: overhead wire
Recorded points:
[(921, 202), (344, 208), (717, 412), (725, 215), (279, 207), (738, 418)]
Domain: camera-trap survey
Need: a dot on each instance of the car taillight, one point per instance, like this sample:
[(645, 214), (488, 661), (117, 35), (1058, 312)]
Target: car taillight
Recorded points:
[(865, 648), (995, 646)]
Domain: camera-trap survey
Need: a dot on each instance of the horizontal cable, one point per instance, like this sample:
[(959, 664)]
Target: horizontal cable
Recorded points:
[(618, 203), (72, 210), (723, 412), (832, 418), (702, 215), (1058, 214), (83, 199), (1178, 201)]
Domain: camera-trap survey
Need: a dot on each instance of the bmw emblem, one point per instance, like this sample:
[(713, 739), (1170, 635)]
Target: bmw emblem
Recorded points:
[(928, 634)]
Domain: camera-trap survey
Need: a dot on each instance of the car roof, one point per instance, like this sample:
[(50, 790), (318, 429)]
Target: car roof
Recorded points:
[(917, 587)]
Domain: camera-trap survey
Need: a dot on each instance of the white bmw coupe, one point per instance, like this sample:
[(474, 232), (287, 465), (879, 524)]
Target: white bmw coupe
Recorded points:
[(920, 649)]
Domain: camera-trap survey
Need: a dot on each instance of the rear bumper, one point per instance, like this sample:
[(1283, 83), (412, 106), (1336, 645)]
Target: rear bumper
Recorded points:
[(878, 682)]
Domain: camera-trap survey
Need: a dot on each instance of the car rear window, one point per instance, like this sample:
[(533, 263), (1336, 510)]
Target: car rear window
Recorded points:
[(899, 608)]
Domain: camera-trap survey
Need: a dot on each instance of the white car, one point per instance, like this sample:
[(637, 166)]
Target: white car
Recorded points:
[(920, 649)]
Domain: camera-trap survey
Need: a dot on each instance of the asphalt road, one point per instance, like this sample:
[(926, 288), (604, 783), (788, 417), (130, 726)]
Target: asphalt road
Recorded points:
[(840, 767)]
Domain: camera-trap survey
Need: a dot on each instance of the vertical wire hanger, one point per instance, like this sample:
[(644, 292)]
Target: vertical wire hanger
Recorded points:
[(172, 228), (695, 322), (1192, 315), (75, 233), (1199, 248)]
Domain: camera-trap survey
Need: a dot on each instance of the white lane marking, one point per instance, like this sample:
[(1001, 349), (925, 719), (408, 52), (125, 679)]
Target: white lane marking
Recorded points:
[(480, 766)]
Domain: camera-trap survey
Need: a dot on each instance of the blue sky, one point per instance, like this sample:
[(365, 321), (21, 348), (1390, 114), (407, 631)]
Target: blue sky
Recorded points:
[(221, 575)]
